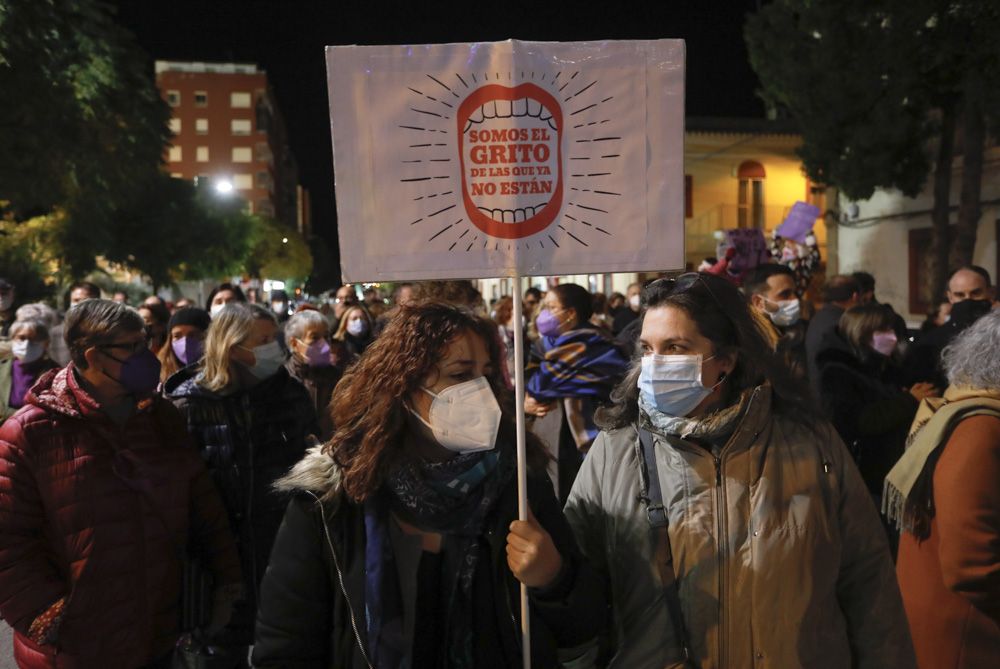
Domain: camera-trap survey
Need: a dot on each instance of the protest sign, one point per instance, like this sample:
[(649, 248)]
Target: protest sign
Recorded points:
[(508, 158), (799, 222)]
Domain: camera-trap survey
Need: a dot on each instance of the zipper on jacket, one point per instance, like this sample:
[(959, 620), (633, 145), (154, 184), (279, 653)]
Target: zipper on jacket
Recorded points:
[(340, 580), (720, 512)]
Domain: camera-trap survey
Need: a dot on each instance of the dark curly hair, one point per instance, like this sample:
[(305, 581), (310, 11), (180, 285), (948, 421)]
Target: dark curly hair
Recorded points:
[(369, 407), (723, 317)]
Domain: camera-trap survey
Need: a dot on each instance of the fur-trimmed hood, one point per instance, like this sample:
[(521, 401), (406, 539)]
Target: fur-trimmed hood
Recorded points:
[(316, 473)]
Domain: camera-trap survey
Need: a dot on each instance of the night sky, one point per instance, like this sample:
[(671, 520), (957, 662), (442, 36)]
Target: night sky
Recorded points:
[(286, 38)]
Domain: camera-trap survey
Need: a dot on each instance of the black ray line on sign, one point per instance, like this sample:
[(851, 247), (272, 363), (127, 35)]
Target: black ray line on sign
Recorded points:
[(599, 174), (429, 113), (605, 139), (419, 146), (474, 80), (553, 241), (412, 161), (461, 79), (606, 192), (416, 221), (580, 158), (573, 236), (439, 160), (580, 111), (416, 179), (443, 85), (441, 211), (464, 233), (612, 155), (580, 91), (439, 233), (453, 245), (603, 230), (583, 206)]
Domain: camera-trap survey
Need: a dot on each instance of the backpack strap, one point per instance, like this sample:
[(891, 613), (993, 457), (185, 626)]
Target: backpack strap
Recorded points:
[(651, 496)]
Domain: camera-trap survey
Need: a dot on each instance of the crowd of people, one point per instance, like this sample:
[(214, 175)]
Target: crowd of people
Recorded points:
[(277, 484)]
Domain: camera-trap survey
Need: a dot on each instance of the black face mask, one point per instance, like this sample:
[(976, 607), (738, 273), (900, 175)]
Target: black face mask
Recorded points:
[(967, 312)]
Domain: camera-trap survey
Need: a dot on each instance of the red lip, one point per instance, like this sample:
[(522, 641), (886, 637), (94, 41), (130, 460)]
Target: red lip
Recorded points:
[(543, 218)]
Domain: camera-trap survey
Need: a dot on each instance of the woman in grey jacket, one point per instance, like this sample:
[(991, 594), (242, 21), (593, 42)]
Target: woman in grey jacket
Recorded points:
[(767, 550)]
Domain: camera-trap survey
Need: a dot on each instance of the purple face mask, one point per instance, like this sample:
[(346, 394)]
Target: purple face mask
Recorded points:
[(318, 354), (547, 324), (140, 372), (188, 349), (884, 342)]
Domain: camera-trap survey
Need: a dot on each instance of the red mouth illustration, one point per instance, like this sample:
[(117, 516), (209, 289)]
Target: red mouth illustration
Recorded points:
[(510, 152)]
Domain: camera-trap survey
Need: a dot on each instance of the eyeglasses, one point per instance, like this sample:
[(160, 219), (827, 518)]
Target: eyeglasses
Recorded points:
[(682, 283), (133, 348)]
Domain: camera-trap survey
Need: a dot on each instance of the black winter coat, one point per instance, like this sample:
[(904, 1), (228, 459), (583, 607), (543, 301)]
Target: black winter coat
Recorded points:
[(248, 439), (312, 606), (868, 407)]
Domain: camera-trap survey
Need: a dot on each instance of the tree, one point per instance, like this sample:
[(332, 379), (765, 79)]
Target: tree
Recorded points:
[(277, 251), (173, 231), (82, 127), (874, 85)]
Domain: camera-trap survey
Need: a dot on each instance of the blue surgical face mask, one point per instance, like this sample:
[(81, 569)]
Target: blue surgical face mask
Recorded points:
[(269, 358), (672, 383)]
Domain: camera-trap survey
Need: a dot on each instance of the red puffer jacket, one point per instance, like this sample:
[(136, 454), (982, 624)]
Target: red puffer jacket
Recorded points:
[(77, 520)]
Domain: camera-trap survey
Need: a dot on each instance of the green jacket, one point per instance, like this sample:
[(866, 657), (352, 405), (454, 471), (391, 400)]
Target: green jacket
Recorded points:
[(781, 559)]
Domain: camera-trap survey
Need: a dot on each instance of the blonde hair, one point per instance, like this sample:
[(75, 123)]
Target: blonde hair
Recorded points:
[(230, 327), (341, 332)]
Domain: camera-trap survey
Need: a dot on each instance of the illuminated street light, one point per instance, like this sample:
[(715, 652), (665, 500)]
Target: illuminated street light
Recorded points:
[(224, 186), (284, 240)]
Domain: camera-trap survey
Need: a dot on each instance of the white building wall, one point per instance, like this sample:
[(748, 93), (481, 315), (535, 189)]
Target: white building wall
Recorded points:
[(877, 239)]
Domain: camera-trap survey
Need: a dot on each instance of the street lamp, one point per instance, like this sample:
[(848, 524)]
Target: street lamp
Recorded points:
[(223, 186)]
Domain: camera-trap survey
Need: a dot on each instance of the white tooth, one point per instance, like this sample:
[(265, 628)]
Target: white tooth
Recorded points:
[(503, 108), (545, 115), (553, 125), (519, 215), (477, 117), (497, 215), (490, 109), (521, 107), (534, 107), (508, 216)]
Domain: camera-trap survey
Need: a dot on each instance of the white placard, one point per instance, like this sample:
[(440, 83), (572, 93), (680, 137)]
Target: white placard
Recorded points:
[(508, 158)]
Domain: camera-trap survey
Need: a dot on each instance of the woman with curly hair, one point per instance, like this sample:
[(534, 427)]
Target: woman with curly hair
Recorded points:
[(401, 546)]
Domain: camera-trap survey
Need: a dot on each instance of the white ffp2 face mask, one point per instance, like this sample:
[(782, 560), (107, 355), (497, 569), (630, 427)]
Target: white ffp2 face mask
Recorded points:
[(788, 312), (465, 417), (672, 383)]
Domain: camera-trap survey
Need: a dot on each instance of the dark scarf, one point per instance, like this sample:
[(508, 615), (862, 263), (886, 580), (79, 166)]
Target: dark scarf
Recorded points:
[(453, 498)]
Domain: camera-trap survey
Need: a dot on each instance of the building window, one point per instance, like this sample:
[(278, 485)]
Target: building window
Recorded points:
[(688, 200), (201, 126), (175, 126), (243, 181), (265, 208), (239, 100), (240, 126), (242, 154), (174, 98), (200, 99), (263, 179), (201, 154), (175, 155), (263, 151), (750, 195), (176, 175)]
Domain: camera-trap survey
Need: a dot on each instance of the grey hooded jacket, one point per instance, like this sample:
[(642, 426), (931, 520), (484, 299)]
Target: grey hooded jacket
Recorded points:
[(778, 550)]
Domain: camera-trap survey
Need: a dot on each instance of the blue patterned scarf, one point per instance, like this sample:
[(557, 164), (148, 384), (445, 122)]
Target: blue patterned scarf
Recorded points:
[(583, 363), (453, 498)]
